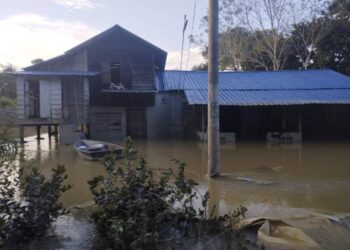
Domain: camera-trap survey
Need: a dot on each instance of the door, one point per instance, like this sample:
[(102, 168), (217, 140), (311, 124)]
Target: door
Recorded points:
[(45, 102), (136, 122)]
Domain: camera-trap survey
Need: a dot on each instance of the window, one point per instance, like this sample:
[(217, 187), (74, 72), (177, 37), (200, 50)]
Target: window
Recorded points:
[(115, 71), (111, 72), (108, 122)]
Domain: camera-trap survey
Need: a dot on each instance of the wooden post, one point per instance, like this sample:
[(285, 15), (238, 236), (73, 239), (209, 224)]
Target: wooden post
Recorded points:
[(213, 82), (49, 131), (38, 127), (21, 134), (88, 130), (300, 122), (55, 131)]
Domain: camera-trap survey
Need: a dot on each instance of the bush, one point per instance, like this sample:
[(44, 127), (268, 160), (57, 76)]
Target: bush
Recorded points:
[(138, 209), (29, 203), (7, 102)]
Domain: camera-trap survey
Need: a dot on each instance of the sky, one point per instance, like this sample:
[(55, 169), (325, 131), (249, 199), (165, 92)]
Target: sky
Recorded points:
[(32, 29)]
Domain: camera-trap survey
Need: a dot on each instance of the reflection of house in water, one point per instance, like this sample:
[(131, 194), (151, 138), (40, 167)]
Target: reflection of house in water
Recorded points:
[(115, 85)]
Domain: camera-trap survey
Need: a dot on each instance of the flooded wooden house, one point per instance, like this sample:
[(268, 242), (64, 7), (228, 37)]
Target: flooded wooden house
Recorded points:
[(288, 105), (115, 84)]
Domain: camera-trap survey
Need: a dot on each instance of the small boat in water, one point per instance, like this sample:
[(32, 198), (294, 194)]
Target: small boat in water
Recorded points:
[(94, 150)]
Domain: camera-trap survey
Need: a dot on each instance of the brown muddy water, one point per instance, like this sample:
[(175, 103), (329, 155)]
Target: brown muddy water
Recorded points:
[(290, 181)]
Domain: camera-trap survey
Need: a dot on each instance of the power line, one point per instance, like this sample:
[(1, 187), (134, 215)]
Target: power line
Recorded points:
[(183, 39), (191, 36)]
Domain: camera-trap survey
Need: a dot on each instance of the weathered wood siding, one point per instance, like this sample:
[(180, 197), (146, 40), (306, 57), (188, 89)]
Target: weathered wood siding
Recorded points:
[(86, 92), (137, 62), (74, 62), (22, 99), (76, 100), (108, 122), (137, 67), (143, 76)]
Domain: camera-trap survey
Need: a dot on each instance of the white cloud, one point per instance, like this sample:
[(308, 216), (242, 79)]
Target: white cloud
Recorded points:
[(78, 4), (26, 37), (174, 57)]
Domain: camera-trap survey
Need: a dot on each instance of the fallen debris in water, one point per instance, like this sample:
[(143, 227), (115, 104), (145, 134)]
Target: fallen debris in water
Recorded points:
[(251, 180), (277, 234)]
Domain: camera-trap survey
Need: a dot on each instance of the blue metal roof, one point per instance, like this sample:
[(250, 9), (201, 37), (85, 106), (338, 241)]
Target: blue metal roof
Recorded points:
[(273, 97), (261, 88)]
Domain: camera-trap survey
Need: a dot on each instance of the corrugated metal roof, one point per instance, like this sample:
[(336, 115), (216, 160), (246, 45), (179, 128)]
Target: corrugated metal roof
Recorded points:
[(262, 88), (56, 73), (259, 80), (272, 97)]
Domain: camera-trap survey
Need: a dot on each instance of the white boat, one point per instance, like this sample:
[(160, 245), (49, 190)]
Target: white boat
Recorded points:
[(94, 150)]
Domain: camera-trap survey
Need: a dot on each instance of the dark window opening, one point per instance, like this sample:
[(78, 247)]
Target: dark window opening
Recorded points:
[(34, 99), (115, 70)]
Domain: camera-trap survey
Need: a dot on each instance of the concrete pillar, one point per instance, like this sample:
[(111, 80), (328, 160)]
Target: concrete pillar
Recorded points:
[(213, 91)]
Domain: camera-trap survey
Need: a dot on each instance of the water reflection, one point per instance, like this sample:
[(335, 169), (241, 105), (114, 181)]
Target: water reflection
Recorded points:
[(313, 176)]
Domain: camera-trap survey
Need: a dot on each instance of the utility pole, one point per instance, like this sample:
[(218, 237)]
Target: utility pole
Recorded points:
[(213, 88)]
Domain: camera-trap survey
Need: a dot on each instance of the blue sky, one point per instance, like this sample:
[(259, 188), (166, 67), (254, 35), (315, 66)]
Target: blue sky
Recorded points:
[(46, 28)]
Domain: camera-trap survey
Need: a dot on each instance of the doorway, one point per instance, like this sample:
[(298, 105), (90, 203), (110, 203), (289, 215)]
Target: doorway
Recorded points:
[(136, 123), (34, 99)]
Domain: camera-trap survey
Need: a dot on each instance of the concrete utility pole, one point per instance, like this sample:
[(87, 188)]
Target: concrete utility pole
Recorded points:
[(213, 87)]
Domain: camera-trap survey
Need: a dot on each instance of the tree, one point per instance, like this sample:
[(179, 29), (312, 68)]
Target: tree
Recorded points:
[(269, 22), (7, 81), (270, 34), (37, 60), (235, 49), (334, 47), (310, 26)]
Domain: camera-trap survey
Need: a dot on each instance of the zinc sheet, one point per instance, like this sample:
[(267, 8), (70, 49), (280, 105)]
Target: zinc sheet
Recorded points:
[(272, 97), (290, 87)]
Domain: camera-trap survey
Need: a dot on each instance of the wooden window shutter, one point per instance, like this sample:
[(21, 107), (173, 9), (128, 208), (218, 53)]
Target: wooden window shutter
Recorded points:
[(106, 72)]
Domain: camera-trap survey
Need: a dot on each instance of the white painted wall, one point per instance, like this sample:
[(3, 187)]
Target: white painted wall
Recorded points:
[(45, 111), (51, 99)]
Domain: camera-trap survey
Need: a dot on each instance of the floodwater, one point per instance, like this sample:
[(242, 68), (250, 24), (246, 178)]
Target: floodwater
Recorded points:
[(312, 175), (283, 181)]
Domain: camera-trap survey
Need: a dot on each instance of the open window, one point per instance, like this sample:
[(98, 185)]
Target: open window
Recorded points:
[(115, 71), (111, 72)]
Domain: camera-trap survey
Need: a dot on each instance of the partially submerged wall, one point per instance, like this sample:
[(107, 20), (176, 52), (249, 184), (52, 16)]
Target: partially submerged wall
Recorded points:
[(165, 118), (107, 123)]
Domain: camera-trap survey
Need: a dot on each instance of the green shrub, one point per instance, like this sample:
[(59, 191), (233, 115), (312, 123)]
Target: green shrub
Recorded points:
[(29, 203), (7, 102), (138, 209)]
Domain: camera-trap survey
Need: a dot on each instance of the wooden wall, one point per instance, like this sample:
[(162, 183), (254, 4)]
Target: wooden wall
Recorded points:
[(73, 62), (75, 100), (137, 67), (22, 98), (108, 122)]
